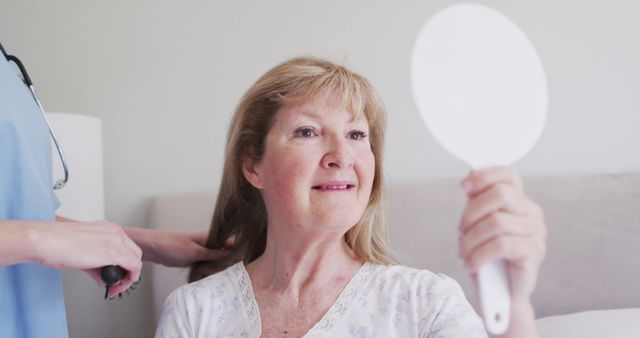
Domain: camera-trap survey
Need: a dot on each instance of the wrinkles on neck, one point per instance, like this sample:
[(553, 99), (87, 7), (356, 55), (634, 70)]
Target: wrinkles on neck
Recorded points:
[(295, 261)]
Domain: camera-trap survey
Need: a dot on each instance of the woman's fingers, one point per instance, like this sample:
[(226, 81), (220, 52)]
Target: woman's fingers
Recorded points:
[(517, 250), (497, 224), (492, 190), (500, 197), (479, 180)]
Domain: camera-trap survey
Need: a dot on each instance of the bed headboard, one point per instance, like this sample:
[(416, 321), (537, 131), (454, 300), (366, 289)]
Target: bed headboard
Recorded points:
[(593, 258)]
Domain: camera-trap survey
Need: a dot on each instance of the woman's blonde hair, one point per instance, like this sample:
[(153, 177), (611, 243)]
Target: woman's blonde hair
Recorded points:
[(240, 211)]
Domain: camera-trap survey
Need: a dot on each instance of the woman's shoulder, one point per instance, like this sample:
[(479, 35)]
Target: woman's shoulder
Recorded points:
[(205, 306), (220, 283), (418, 282), (405, 274), (421, 299)]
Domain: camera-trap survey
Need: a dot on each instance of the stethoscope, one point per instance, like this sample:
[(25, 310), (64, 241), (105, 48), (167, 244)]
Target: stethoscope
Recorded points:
[(110, 274), (59, 184)]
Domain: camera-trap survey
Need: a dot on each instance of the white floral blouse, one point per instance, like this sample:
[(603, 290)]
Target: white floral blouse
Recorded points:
[(379, 301)]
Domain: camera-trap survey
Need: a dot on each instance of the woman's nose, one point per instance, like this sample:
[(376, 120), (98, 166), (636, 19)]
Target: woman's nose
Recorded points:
[(338, 155)]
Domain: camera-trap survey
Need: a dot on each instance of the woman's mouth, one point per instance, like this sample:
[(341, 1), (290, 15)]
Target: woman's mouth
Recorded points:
[(333, 187)]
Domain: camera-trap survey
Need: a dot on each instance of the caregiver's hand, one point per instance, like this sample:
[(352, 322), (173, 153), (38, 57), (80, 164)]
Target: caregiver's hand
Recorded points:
[(501, 222), (87, 246), (171, 248)]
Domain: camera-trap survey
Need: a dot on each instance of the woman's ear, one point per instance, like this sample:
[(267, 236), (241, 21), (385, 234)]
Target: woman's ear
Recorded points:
[(251, 172)]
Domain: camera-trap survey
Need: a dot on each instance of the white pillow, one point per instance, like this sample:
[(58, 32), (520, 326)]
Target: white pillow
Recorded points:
[(618, 323)]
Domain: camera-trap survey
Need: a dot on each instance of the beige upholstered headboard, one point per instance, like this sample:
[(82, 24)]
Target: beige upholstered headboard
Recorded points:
[(593, 259)]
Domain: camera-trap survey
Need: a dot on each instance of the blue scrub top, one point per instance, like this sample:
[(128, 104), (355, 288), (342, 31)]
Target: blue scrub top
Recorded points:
[(31, 300)]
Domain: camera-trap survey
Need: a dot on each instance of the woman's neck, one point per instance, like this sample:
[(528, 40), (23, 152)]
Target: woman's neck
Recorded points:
[(292, 262)]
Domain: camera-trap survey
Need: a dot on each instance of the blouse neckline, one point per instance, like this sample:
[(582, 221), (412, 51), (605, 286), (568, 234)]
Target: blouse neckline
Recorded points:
[(323, 326)]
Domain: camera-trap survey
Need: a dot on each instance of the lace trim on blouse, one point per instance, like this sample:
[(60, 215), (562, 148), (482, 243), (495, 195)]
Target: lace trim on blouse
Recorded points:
[(342, 304), (335, 312), (247, 297)]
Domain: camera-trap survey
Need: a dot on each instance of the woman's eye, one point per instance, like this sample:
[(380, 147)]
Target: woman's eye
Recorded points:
[(305, 132), (357, 135)]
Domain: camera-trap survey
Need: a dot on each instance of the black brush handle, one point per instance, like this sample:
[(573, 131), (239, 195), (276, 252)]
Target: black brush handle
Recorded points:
[(112, 274)]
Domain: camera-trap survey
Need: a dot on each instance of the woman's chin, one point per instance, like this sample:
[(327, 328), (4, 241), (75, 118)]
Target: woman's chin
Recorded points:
[(339, 221)]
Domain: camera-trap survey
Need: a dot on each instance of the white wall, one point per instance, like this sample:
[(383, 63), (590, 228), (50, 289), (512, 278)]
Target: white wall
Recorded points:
[(164, 76)]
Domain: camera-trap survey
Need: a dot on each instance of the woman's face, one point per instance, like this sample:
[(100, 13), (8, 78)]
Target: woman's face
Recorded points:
[(318, 167)]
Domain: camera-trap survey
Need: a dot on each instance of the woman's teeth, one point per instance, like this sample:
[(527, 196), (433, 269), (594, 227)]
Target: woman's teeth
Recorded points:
[(333, 187)]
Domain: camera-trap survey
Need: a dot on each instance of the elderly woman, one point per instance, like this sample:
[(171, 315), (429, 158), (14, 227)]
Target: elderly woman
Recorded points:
[(301, 198)]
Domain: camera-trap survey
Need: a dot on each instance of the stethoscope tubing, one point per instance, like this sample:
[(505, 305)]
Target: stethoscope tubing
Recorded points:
[(59, 184)]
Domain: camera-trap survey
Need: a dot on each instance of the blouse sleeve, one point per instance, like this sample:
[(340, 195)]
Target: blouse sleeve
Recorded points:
[(174, 320), (455, 317)]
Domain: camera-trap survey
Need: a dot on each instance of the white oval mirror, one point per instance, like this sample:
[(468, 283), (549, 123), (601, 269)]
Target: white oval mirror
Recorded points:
[(481, 91)]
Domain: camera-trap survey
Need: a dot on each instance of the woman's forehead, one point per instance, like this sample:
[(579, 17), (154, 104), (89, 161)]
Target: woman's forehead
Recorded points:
[(321, 106)]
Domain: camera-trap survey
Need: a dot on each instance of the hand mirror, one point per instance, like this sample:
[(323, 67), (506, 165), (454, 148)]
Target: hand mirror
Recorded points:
[(481, 90)]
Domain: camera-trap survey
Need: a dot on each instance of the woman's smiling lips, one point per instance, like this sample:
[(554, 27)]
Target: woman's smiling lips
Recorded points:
[(334, 186)]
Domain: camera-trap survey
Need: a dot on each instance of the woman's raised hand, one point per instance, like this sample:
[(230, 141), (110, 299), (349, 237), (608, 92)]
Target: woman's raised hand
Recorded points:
[(501, 222)]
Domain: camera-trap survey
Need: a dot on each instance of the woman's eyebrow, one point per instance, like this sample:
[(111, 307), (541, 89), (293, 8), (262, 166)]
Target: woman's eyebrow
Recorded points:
[(315, 115)]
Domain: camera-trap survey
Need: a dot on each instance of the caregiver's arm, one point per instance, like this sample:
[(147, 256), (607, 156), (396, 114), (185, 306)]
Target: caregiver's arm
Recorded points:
[(84, 246), (13, 246), (501, 222), (170, 248)]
